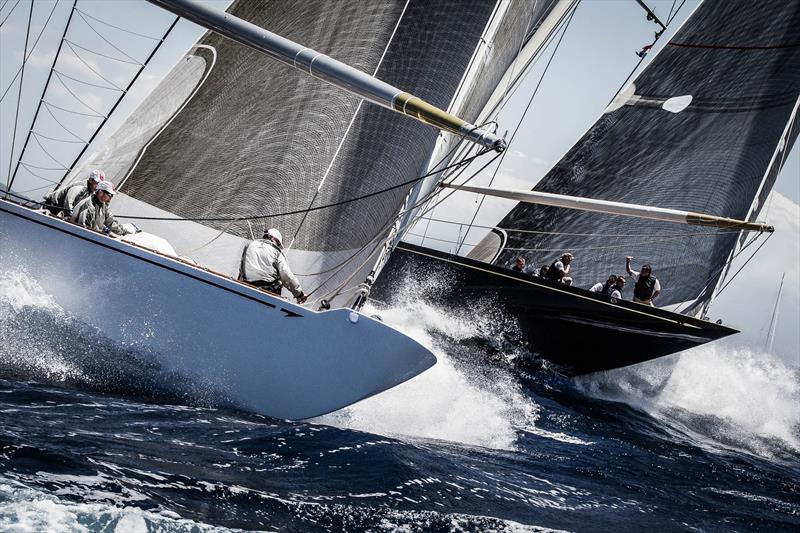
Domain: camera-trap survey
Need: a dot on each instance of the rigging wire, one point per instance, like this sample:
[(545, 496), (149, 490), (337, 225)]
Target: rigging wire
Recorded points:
[(341, 286), (85, 14), (63, 83), (316, 208), (527, 108), (112, 58), (86, 82), (41, 98), (112, 45), (9, 13), (33, 48), (10, 179), (78, 56), (745, 264), (47, 108)]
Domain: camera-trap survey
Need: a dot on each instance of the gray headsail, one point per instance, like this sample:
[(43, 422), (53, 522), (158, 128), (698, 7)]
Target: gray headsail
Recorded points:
[(705, 127), (255, 137)]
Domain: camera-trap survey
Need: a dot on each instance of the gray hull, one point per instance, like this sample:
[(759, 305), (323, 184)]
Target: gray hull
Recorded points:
[(262, 352)]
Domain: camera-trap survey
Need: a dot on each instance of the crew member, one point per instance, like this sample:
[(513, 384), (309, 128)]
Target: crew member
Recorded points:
[(264, 265), (617, 288), (63, 200), (647, 287), (604, 288), (559, 270), (519, 266), (94, 212)]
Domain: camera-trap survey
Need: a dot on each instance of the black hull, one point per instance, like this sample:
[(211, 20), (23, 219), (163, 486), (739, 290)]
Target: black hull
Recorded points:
[(580, 331)]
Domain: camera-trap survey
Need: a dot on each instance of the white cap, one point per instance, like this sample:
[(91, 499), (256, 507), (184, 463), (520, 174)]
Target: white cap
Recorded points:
[(275, 234), (97, 175), (106, 186)]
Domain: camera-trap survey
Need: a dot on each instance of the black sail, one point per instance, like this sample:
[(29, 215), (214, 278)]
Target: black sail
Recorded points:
[(740, 63)]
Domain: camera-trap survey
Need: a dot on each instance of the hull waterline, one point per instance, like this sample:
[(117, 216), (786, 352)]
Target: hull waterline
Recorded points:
[(580, 331), (259, 351)]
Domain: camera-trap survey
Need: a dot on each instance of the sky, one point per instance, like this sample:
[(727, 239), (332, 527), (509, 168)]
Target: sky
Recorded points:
[(595, 56)]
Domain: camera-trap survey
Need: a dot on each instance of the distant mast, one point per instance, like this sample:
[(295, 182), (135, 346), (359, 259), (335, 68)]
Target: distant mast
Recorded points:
[(774, 320), (329, 70)]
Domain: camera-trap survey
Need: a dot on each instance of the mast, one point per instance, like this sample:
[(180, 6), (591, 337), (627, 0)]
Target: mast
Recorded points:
[(328, 69), (615, 208), (774, 320)]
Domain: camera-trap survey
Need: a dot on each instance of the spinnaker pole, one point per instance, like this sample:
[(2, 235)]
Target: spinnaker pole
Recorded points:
[(328, 69), (615, 208)]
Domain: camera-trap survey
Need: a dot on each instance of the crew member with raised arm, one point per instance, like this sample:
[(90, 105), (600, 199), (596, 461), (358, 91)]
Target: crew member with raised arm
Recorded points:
[(63, 200), (647, 287), (94, 212), (264, 265)]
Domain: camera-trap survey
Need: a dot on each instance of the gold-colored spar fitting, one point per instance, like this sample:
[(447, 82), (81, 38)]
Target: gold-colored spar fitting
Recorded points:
[(699, 219), (410, 105)]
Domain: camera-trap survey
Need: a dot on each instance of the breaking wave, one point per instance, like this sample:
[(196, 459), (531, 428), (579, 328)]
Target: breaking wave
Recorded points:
[(715, 394)]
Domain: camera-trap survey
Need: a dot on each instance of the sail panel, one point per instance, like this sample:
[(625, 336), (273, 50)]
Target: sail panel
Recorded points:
[(737, 65), (260, 137)]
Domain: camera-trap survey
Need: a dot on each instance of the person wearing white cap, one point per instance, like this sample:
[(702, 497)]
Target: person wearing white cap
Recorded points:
[(264, 265), (94, 212), (63, 200)]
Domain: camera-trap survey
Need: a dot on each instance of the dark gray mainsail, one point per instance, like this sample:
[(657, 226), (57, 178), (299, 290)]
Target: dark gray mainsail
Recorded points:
[(258, 137), (705, 127)]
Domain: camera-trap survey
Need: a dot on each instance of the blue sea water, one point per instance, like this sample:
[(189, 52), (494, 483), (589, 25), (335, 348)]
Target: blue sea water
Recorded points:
[(92, 440)]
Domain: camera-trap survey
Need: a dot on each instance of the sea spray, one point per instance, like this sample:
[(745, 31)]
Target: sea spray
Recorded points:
[(732, 397), (451, 401)]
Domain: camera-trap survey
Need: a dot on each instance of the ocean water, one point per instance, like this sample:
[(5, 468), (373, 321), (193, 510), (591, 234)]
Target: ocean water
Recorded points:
[(92, 440)]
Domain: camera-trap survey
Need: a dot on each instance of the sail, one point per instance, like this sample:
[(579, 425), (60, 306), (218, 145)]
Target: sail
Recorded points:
[(705, 127), (257, 137)]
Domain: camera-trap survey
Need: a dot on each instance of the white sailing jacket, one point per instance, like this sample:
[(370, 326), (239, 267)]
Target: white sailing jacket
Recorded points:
[(96, 215), (263, 261)]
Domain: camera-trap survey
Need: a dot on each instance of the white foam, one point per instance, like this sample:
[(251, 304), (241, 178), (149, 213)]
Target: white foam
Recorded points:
[(447, 402), (23, 509), (752, 395), (18, 290)]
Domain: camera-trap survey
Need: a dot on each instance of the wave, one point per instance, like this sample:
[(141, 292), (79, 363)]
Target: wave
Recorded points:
[(460, 399), (716, 394)]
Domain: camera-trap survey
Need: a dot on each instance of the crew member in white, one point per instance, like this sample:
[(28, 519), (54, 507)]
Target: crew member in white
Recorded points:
[(94, 212), (63, 200), (264, 265)]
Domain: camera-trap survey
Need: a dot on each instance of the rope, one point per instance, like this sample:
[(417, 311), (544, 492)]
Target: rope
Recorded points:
[(317, 208), (338, 289), (522, 118)]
